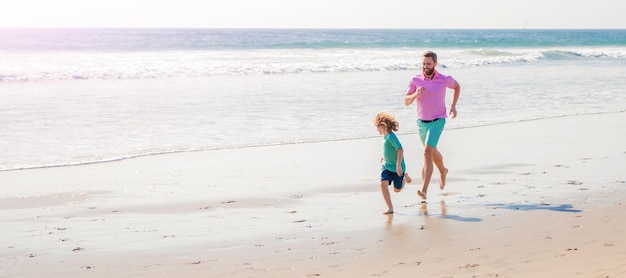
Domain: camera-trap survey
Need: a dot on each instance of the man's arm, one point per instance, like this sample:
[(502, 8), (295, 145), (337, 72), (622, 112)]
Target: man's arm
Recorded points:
[(455, 98), (412, 94)]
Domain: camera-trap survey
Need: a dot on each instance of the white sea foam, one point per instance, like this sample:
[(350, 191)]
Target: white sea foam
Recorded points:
[(55, 66)]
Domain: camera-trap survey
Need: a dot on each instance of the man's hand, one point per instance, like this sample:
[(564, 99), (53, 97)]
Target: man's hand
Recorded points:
[(453, 112)]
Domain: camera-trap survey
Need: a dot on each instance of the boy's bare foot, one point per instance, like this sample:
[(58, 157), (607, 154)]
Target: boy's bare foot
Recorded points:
[(407, 178), (442, 181), (389, 211), (421, 194)]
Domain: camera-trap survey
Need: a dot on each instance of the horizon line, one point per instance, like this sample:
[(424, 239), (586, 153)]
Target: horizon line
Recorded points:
[(297, 28)]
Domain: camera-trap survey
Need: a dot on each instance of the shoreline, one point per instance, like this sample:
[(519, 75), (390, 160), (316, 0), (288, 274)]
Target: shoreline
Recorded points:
[(540, 198), (128, 157)]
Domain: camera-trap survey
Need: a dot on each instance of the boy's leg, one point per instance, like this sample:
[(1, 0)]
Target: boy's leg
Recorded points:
[(384, 188), (400, 180)]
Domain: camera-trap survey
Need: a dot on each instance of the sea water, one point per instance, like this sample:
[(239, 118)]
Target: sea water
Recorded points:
[(77, 96)]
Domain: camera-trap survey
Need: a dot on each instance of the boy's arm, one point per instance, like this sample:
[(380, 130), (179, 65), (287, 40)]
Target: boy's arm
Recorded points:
[(399, 162)]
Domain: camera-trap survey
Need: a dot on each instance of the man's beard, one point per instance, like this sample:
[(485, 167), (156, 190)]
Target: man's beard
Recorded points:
[(429, 71)]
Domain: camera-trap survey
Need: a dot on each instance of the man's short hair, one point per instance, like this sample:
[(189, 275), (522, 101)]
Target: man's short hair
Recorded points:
[(430, 54)]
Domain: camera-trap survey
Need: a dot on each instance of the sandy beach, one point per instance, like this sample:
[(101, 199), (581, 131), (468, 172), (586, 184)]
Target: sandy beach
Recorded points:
[(540, 198)]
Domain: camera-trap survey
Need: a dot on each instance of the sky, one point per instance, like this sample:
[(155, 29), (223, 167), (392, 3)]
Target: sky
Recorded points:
[(406, 14)]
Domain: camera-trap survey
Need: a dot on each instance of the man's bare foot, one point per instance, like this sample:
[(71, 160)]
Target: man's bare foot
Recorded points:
[(389, 211), (407, 178), (442, 181), (421, 194)]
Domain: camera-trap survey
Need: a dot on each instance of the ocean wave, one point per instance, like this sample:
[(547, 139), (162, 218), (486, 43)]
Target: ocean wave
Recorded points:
[(584, 53), (54, 66), (77, 39)]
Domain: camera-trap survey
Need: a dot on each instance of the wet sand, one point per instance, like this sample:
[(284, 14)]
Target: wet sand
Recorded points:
[(542, 198)]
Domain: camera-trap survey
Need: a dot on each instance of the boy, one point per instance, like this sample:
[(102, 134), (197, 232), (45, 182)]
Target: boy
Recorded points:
[(393, 167)]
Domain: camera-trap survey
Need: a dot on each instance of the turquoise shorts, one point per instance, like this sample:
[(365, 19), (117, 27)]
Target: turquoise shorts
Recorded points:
[(431, 131)]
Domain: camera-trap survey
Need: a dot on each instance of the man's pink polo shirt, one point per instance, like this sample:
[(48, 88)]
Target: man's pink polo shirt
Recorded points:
[(431, 104)]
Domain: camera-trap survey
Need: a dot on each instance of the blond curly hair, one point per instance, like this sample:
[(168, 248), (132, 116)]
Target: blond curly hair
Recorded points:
[(387, 121)]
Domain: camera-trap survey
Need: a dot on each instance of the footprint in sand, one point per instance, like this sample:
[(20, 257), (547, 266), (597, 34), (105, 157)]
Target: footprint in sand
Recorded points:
[(450, 193), (574, 182)]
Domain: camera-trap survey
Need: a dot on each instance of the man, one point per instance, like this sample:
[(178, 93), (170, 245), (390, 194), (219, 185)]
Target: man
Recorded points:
[(428, 89)]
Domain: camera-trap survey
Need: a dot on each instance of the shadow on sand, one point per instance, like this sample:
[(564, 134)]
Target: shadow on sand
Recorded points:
[(446, 215), (461, 218), (542, 206)]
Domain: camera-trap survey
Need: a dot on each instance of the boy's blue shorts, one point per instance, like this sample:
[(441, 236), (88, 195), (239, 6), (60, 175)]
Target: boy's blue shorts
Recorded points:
[(392, 177)]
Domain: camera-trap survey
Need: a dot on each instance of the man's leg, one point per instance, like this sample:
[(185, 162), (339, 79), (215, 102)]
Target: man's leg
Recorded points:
[(427, 170), (443, 171)]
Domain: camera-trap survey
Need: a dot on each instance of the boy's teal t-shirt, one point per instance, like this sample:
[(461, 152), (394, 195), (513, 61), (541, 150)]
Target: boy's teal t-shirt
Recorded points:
[(390, 153)]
